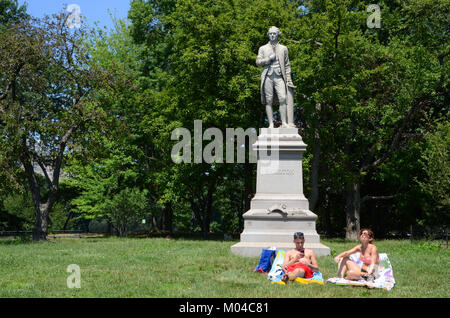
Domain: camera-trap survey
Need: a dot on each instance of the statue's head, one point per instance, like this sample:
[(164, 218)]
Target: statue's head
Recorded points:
[(273, 33)]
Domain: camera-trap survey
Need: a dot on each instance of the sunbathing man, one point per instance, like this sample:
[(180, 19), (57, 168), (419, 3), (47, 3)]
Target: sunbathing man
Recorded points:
[(299, 262), (368, 269)]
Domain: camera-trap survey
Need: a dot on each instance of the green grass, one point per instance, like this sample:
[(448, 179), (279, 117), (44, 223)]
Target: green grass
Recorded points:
[(119, 267)]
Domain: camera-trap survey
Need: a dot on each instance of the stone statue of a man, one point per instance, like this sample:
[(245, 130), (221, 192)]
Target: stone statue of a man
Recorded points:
[(276, 82)]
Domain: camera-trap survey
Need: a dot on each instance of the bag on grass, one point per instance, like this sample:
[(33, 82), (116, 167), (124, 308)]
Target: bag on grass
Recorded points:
[(265, 261)]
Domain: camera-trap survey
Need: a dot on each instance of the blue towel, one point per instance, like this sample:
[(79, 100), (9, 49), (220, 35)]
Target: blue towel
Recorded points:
[(265, 261)]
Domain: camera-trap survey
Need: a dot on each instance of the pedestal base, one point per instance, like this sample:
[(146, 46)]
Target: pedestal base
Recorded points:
[(265, 228), (254, 249)]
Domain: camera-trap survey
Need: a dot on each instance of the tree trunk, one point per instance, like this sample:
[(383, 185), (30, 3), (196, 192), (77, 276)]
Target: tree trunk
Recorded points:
[(208, 212), (108, 227), (203, 210), (353, 208), (40, 230), (206, 227), (200, 218), (315, 174), (168, 218), (67, 221)]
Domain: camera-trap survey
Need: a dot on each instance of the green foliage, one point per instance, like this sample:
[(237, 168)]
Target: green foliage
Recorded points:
[(59, 217), (47, 106), (435, 161), (21, 206), (202, 66), (98, 226), (368, 104), (362, 96), (109, 189), (11, 12), (125, 207)]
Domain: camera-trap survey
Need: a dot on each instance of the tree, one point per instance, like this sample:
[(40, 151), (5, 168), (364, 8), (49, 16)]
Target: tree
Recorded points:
[(362, 96), (11, 12), (109, 188), (436, 186), (363, 92), (46, 106)]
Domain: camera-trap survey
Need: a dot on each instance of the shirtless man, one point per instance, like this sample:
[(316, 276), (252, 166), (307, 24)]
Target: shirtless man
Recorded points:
[(299, 262)]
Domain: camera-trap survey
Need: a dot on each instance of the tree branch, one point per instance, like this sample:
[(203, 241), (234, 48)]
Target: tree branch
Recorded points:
[(59, 157), (395, 140), (62, 146), (25, 159), (5, 93), (336, 36), (11, 83), (44, 170)]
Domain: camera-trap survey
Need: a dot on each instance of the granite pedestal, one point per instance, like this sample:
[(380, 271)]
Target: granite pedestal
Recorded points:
[(279, 207)]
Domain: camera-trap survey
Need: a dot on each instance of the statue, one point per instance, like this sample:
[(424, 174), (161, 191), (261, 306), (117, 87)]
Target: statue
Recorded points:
[(279, 204), (276, 78)]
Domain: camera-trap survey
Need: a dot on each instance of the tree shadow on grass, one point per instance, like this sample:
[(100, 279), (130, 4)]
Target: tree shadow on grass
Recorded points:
[(16, 241), (217, 237)]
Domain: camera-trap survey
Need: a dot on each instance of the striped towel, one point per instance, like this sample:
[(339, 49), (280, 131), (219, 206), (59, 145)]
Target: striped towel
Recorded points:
[(385, 281)]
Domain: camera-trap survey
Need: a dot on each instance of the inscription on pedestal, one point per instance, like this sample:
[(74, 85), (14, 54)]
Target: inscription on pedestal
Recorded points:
[(283, 172)]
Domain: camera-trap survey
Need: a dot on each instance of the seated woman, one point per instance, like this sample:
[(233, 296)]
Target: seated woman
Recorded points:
[(368, 268)]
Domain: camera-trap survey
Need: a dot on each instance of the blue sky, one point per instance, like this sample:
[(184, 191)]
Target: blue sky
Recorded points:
[(92, 10)]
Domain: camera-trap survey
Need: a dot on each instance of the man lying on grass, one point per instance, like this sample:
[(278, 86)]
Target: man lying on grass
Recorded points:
[(299, 262)]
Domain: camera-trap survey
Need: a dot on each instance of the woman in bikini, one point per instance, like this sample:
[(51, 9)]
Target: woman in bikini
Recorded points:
[(368, 268)]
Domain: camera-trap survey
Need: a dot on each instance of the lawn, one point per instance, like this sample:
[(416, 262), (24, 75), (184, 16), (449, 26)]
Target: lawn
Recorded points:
[(156, 267)]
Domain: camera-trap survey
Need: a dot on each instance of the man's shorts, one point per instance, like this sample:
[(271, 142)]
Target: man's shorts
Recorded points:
[(308, 271)]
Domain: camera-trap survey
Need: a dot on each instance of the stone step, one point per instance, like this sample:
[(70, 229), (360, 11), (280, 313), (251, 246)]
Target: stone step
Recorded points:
[(277, 236)]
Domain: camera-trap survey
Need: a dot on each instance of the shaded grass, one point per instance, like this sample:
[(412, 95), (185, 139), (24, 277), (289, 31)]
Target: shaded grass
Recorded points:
[(155, 267)]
